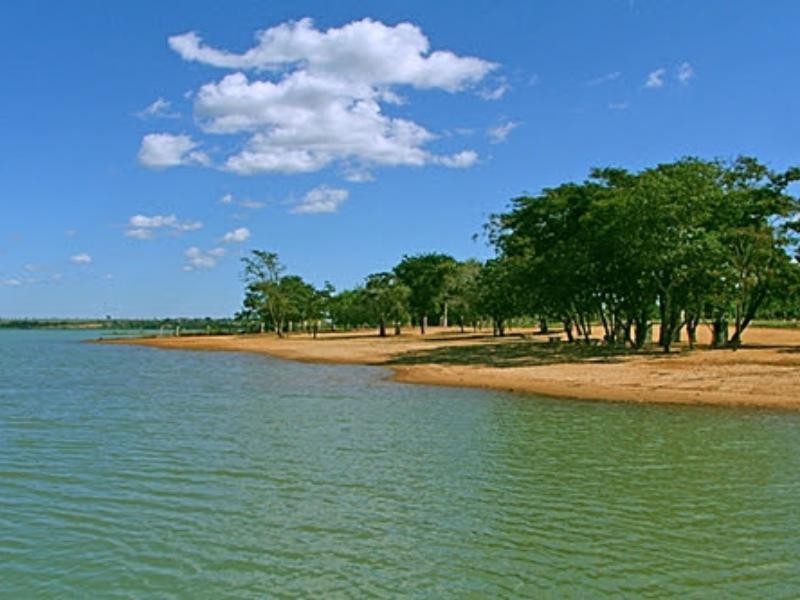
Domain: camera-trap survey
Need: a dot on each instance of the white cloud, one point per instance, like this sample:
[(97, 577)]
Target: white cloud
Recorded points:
[(248, 203), (161, 150), (10, 282), (685, 73), (251, 204), (140, 234), (619, 105), (499, 134), (322, 103), (160, 108), (461, 160), (358, 176), (81, 259), (655, 79), (71, 232), (239, 235), (322, 199), (142, 227), (496, 92), (199, 259), (607, 78), (363, 51)]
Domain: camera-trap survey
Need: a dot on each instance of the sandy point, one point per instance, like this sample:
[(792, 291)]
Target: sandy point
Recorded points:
[(764, 373)]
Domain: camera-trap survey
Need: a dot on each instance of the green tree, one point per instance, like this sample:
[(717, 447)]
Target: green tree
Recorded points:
[(426, 277), (386, 299)]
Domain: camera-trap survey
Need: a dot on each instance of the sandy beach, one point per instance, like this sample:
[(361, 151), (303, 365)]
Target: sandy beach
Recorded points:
[(764, 373)]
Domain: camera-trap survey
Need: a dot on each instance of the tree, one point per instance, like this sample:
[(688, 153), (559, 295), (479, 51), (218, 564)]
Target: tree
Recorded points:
[(461, 292), (498, 292), (426, 276), (386, 299), (263, 295)]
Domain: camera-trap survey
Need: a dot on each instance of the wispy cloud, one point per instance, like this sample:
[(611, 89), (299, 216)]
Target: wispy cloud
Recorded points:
[(248, 203), (202, 259), (81, 259), (10, 282), (322, 199), (497, 91), (685, 73), (500, 133), (655, 79), (142, 227), (237, 236), (160, 108), (607, 78), (625, 105)]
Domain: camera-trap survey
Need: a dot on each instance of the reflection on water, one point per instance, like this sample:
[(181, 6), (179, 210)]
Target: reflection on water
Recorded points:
[(134, 472)]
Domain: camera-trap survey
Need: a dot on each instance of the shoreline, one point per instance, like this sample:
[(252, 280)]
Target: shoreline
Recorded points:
[(765, 373)]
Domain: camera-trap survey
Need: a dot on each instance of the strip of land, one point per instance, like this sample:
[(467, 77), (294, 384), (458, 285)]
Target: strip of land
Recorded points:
[(764, 373)]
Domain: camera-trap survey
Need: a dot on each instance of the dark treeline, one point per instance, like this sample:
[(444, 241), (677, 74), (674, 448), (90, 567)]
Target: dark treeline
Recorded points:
[(682, 244), (185, 324)]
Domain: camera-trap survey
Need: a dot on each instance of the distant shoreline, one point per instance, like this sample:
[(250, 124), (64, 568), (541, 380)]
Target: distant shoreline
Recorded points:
[(765, 373)]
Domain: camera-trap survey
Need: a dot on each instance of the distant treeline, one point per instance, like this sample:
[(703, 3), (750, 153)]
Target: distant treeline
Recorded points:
[(208, 325), (681, 244)]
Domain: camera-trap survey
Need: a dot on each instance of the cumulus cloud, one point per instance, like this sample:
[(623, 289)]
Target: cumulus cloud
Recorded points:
[(364, 51), (202, 259), (499, 134), (81, 259), (655, 79), (685, 73), (162, 150), (142, 227), (322, 199), (160, 108), (322, 101), (238, 236)]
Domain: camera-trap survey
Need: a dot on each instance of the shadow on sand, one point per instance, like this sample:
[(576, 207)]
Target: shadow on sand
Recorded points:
[(517, 352)]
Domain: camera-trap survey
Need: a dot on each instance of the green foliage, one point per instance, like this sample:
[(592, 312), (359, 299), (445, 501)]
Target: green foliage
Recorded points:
[(426, 276), (386, 299), (686, 241)]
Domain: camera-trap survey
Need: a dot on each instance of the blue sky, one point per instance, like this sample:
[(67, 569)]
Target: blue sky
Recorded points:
[(139, 162)]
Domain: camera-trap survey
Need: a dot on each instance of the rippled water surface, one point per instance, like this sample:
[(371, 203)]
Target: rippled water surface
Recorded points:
[(132, 472)]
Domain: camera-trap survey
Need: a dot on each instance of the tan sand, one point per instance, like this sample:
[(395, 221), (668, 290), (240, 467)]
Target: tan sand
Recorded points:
[(764, 373)]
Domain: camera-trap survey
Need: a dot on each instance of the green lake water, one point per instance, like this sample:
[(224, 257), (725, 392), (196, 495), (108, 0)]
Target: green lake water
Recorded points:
[(136, 473)]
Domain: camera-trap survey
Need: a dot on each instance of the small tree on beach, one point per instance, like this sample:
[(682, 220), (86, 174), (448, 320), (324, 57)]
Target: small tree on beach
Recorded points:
[(386, 299)]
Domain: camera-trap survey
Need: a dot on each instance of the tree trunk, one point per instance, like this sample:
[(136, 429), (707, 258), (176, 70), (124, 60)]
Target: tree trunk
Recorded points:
[(444, 318), (543, 328), (423, 324), (499, 327), (568, 329), (643, 333), (397, 327), (719, 332), (382, 328), (691, 329)]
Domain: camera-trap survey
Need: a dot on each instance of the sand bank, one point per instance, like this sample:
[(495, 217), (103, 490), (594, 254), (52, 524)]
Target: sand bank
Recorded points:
[(764, 373)]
